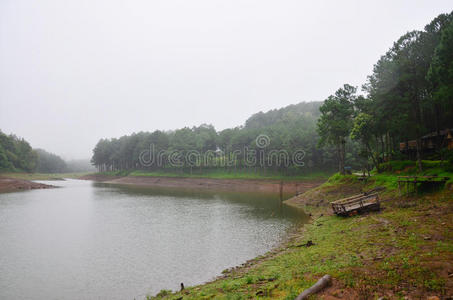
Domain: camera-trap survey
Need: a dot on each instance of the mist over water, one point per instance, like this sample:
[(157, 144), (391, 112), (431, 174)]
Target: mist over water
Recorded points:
[(95, 241)]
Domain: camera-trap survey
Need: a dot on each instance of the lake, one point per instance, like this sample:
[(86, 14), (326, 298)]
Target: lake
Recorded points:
[(87, 240)]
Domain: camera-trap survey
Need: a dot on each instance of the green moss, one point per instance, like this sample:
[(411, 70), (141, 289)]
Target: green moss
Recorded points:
[(398, 165)]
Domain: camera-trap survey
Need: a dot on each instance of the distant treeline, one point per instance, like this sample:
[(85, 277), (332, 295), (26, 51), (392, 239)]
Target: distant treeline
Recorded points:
[(291, 129), (409, 94), (16, 155)]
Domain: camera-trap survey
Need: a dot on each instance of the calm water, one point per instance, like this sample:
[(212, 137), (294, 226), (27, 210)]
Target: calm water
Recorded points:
[(88, 240)]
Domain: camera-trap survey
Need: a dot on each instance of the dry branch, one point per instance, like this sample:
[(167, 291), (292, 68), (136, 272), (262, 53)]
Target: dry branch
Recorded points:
[(325, 281)]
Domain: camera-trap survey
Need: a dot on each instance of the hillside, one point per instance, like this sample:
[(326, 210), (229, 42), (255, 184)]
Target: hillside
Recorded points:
[(304, 110)]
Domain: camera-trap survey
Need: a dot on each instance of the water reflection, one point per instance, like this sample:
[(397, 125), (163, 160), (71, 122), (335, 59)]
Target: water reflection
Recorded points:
[(263, 204)]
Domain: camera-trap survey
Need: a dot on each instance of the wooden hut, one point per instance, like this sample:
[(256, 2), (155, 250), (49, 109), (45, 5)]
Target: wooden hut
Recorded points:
[(443, 138)]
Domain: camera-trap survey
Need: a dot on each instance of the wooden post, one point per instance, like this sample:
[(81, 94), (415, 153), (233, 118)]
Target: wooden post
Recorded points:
[(281, 191)]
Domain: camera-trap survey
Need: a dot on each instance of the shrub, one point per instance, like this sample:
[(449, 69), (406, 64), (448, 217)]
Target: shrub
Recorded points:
[(430, 164), (397, 165), (449, 159)]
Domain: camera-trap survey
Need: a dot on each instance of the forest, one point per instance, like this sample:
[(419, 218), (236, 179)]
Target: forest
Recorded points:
[(408, 95), (17, 155), (290, 128)]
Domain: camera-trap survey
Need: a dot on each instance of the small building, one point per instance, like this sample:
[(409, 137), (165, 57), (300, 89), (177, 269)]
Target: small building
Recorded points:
[(444, 139)]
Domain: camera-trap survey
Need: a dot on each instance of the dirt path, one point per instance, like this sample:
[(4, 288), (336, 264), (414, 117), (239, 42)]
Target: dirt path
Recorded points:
[(13, 184)]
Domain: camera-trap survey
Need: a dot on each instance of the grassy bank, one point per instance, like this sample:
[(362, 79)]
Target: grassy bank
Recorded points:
[(42, 176), (223, 174), (406, 249)]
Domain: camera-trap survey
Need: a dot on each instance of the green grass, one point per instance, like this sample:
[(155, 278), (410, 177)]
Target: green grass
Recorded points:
[(409, 167), (223, 174), (388, 178), (42, 176)]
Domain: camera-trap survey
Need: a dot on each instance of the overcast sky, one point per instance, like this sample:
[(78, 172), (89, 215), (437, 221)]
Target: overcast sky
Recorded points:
[(73, 71)]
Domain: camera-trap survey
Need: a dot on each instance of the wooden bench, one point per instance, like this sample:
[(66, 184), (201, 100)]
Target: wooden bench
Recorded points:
[(416, 183)]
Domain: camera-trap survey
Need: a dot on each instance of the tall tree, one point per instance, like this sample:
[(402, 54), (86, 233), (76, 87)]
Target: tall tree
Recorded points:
[(362, 130), (440, 76), (335, 122)]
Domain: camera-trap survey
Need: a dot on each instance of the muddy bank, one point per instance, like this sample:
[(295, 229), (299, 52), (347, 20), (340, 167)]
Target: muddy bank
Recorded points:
[(321, 196), (238, 185), (99, 177), (13, 184)]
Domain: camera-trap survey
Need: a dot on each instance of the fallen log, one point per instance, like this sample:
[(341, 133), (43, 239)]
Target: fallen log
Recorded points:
[(325, 281)]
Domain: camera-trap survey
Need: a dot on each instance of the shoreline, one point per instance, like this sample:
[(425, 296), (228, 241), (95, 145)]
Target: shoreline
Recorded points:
[(402, 250), (370, 255), (238, 185), (8, 184), (294, 235)]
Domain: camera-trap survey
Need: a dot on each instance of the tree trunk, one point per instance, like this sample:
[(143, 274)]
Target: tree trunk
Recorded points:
[(419, 156), (340, 169), (341, 156), (382, 148), (325, 281), (437, 118), (388, 150), (375, 162), (418, 123)]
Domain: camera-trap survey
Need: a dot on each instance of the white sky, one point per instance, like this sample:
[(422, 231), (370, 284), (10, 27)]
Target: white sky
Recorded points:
[(72, 72)]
